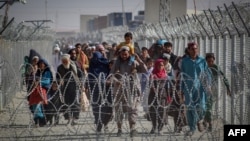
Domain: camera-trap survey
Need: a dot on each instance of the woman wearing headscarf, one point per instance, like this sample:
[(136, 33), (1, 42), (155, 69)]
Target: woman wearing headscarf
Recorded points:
[(31, 72), (100, 95), (157, 96), (44, 72), (45, 79)]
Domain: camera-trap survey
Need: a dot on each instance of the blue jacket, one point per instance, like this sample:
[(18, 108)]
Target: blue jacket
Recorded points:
[(46, 76)]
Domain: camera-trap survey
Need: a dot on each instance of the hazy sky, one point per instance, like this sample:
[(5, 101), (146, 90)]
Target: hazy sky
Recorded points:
[(66, 13)]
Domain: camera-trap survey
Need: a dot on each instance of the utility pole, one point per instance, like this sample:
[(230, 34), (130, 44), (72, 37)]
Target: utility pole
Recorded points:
[(123, 15), (46, 10), (56, 20)]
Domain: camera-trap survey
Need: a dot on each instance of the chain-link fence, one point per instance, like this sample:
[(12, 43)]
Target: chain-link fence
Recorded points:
[(15, 43)]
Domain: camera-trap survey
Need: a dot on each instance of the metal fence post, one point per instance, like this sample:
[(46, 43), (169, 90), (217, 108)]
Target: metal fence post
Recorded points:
[(224, 64), (232, 60), (242, 87), (1, 93)]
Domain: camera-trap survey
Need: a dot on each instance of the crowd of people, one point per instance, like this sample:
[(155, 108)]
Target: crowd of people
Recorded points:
[(117, 78)]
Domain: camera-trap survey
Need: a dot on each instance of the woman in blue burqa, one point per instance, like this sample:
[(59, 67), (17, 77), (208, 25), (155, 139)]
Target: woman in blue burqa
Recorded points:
[(100, 92)]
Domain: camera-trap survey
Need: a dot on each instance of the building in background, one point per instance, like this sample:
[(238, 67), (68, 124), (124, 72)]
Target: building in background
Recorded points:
[(84, 19), (116, 18), (112, 19), (102, 22), (138, 20), (140, 16), (97, 23)]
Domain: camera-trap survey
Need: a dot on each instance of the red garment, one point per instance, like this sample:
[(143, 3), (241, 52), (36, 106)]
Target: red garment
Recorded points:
[(157, 73), (161, 74), (38, 95)]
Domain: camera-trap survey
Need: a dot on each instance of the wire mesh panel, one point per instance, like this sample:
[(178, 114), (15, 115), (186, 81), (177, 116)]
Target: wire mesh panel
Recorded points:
[(15, 43)]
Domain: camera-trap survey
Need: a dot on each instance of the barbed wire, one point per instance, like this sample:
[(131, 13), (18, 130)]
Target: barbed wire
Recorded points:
[(16, 127), (22, 32)]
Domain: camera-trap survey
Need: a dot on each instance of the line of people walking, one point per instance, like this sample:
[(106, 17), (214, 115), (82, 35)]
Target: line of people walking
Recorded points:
[(117, 79)]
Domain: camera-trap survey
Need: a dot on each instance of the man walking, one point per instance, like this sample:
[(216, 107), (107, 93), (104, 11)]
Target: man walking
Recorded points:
[(69, 80), (195, 85), (126, 91)]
